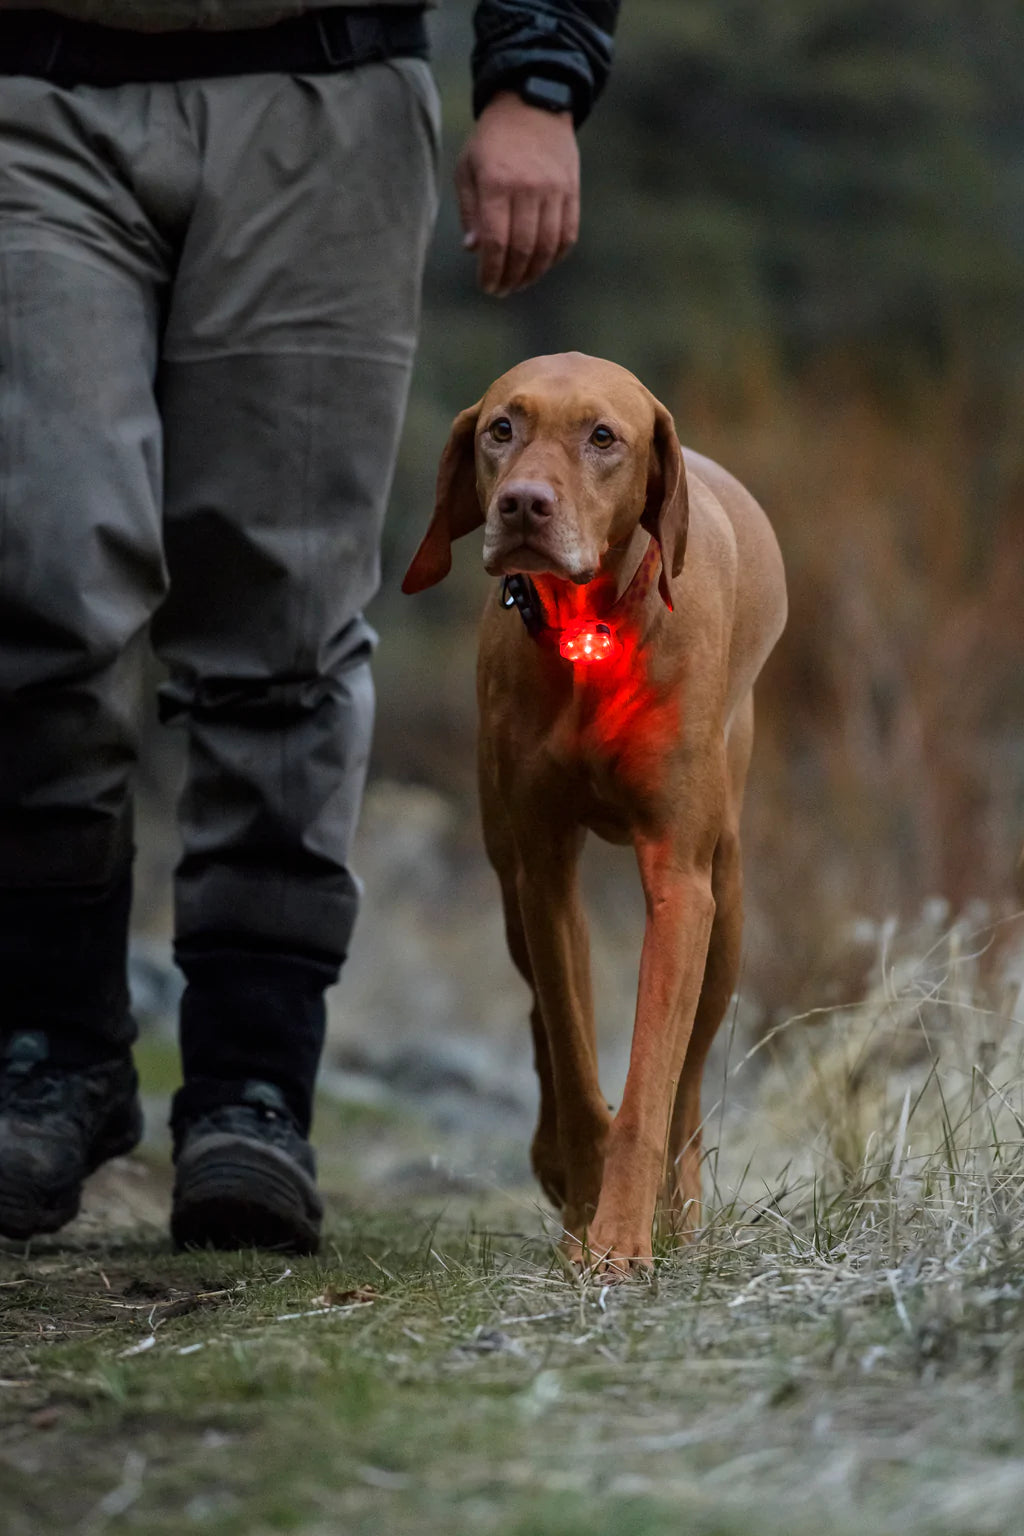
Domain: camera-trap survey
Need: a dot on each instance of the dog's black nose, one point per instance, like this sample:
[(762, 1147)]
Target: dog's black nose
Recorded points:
[(527, 499)]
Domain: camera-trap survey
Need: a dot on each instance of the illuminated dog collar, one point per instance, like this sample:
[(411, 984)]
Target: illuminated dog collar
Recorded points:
[(590, 640)]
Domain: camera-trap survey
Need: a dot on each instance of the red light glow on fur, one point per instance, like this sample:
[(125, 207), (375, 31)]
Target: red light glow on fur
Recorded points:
[(588, 642)]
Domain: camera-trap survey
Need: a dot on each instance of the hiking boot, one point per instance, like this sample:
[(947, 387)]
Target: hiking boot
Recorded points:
[(246, 1178), (58, 1124)]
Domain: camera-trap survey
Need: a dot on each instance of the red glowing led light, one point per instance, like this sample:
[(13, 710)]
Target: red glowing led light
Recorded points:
[(588, 642)]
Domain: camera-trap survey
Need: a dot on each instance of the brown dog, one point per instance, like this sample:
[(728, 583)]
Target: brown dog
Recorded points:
[(576, 473)]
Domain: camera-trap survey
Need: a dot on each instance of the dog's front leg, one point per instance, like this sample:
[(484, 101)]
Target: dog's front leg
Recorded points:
[(680, 909), (555, 927)]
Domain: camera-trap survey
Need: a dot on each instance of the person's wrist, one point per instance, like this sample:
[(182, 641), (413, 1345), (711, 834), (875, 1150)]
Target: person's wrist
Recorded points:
[(544, 92), (509, 102)]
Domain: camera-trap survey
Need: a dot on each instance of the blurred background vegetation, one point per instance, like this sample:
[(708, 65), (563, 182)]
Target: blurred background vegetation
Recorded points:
[(804, 228)]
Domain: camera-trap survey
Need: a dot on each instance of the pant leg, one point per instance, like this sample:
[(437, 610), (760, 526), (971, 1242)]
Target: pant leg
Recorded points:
[(283, 384), (81, 567), (286, 367)]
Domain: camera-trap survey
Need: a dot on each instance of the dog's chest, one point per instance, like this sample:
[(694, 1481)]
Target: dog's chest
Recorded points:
[(613, 745)]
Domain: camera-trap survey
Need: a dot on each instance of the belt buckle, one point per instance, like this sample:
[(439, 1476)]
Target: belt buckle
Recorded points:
[(364, 31)]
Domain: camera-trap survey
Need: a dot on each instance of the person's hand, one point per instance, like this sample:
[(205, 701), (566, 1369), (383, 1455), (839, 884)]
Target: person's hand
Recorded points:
[(518, 184)]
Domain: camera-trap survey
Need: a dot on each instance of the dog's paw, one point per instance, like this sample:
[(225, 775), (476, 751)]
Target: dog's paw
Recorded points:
[(615, 1266), (608, 1262)]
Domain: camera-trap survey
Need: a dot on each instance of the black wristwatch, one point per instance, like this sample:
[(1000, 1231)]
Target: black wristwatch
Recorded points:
[(550, 95)]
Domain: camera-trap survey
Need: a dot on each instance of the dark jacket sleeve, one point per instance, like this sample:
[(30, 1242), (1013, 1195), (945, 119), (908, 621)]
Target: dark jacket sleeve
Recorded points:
[(566, 40)]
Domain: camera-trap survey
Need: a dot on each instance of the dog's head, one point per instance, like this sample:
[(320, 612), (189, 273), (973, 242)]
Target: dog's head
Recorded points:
[(559, 462)]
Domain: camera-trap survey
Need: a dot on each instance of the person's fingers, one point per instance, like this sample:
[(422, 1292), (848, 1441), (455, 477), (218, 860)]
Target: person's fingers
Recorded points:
[(466, 193), (548, 239), (570, 224), (524, 234), (494, 216)]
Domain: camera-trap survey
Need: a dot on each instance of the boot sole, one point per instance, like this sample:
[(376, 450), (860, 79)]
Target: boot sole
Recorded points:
[(26, 1213), (239, 1194)]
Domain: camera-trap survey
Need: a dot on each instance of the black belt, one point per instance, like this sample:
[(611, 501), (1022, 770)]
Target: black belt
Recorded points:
[(318, 42)]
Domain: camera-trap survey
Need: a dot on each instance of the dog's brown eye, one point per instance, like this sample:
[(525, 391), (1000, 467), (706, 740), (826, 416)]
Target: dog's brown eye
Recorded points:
[(602, 437), (501, 430)]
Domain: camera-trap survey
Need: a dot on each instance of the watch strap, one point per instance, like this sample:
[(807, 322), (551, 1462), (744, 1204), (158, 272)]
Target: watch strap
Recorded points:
[(548, 94)]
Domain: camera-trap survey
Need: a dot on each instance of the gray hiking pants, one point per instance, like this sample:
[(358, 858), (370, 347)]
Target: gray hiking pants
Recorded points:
[(208, 306)]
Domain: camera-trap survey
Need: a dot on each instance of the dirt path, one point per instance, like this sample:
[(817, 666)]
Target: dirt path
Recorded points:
[(841, 1352)]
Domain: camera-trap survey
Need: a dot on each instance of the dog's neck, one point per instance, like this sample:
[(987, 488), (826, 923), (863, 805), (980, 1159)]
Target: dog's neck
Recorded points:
[(620, 584)]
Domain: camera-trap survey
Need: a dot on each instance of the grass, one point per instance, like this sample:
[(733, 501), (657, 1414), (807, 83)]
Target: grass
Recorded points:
[(841, 1351)]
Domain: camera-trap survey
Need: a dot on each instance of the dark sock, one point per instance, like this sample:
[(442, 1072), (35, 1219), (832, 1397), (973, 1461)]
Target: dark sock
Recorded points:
[(250, 1013), (63, 968)]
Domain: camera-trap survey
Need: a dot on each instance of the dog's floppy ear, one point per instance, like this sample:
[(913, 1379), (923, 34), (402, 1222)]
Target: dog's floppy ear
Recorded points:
[(456, 509), (666, 515)]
